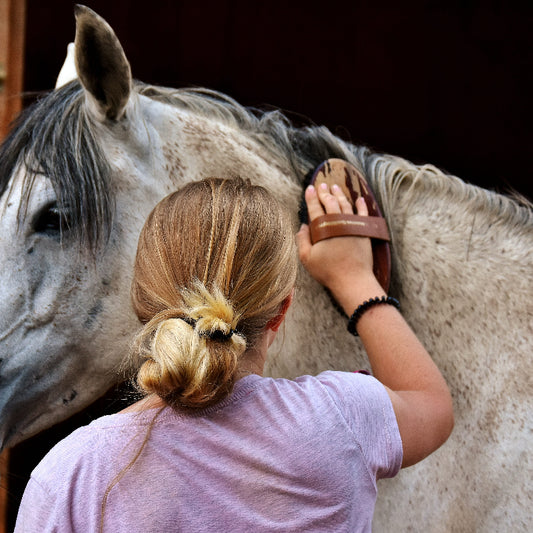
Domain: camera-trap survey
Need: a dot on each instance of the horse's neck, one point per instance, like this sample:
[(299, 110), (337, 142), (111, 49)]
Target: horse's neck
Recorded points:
[(462, 224), (462, 261), (208, 147)]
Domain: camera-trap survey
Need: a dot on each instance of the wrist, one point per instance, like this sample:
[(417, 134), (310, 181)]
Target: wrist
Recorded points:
[(366, 306), (352, 292)]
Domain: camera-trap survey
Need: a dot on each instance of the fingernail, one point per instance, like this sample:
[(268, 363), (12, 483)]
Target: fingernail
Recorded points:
[(324, 186)]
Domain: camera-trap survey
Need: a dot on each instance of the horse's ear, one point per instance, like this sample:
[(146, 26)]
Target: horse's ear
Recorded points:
[(102, 66), (68, 70)]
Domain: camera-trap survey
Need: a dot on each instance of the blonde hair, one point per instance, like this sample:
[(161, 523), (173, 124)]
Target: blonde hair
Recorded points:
[(215, 262)]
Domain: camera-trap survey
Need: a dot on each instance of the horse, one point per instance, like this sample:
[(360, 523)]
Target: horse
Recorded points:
[(82, 168)]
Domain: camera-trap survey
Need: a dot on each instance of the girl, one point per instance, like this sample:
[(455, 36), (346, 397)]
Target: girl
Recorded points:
[(214, 446)]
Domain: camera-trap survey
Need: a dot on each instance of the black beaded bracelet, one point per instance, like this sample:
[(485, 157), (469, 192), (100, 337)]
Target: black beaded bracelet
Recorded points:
[(365, 306)]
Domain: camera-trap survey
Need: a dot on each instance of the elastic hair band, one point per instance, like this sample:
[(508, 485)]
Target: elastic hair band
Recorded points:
[(188, 320), (365, 306), (216, 335)]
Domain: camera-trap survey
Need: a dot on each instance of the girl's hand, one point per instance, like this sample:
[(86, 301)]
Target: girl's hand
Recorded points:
[(338, 262)]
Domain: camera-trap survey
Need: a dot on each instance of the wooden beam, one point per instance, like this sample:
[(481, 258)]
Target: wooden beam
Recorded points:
[(12, 37), (4, 461), (12, 34)]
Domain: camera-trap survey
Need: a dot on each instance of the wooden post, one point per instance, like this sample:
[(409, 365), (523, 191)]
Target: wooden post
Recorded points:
[(12, 24), (4, 460), (12, 35)]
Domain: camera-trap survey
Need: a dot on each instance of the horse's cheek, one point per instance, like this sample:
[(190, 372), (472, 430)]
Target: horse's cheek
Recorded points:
[(12, 289), (13, 278)]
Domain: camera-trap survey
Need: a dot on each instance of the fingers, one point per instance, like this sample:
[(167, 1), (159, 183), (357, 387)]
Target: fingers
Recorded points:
[(328, 200), (321, 200), (362, 208), (344, 204), (314, 207)]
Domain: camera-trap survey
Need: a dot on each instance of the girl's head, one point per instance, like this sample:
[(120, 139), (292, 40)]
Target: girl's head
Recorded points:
[(215, 263)]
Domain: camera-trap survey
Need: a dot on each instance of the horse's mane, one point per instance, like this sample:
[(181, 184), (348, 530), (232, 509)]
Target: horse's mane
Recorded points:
[(55, 137), (305, 148), (426, 183)]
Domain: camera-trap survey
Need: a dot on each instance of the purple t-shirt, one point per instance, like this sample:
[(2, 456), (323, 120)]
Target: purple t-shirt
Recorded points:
[(278, 455)]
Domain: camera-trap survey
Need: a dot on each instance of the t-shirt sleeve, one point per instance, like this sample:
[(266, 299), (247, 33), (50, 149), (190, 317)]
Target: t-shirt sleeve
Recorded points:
[(38, 512), (368, 412), (51, 502)]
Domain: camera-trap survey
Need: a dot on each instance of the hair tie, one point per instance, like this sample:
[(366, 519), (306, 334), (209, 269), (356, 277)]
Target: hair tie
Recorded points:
[(188, 320), (216, 335)]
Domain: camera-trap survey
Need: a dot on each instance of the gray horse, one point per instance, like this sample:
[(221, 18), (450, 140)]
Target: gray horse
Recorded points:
[(83, 167)]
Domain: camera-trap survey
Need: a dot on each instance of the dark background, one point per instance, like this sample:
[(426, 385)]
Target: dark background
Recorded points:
[(447, 83)]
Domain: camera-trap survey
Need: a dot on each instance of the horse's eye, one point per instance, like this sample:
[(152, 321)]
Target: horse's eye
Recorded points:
[(49, 220)]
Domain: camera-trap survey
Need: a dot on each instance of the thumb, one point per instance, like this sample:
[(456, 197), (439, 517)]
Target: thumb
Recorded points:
[(303, 241)]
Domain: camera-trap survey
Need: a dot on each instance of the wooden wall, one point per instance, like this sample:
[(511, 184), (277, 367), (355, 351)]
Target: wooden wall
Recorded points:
[(445, 82)]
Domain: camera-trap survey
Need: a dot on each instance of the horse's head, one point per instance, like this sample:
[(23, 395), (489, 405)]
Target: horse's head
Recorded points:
[(79, 173), (67, 239)]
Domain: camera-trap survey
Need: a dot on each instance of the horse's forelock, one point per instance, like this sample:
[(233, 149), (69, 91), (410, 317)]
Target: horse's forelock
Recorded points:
[(53, 137)]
